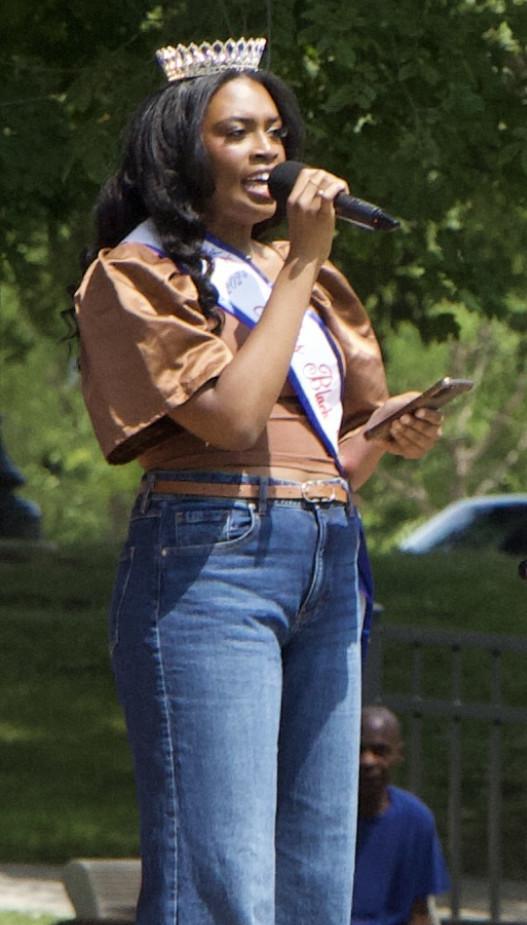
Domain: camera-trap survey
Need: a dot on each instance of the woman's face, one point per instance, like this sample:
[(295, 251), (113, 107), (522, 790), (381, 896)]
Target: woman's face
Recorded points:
[(243, 135)]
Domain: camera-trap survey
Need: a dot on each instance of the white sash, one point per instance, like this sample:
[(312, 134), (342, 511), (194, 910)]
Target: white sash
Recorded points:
[(243, 291)]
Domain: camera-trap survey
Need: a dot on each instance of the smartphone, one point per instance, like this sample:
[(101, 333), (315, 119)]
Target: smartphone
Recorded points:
[(436, 396)]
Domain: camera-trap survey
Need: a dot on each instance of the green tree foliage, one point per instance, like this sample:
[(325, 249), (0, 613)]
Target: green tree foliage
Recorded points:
[(424, 105), (420, 103), (484, 443), (48, 435)]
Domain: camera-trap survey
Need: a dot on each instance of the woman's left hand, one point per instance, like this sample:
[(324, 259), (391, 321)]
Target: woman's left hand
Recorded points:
[(412, 435)]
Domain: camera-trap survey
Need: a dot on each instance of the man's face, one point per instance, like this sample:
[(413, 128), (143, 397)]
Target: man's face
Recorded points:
[(380, 750)]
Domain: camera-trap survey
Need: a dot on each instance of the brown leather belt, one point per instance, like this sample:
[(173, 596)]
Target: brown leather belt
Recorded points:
[(306, 491)]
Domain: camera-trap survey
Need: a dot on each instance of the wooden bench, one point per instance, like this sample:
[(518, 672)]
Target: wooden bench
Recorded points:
[(103, 889)]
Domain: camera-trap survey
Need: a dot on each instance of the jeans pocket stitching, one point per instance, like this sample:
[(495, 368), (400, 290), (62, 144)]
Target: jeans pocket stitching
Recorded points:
[(222, 545)]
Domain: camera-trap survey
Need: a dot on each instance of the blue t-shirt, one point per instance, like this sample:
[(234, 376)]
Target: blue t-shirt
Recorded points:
[(398, 860)]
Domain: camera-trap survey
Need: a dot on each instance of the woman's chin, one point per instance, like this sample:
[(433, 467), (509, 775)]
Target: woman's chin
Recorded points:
[(262, 207)]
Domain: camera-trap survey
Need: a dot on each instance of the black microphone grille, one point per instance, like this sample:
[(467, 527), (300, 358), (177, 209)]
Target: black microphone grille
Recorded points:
[(282, 179)]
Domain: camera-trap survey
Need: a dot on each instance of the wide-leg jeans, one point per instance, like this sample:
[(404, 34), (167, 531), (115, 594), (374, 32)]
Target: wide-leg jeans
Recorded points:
[(235, 645)]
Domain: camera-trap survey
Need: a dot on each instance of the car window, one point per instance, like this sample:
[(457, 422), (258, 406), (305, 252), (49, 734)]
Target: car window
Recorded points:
[(503, 528), (441, 531), (493, 523)]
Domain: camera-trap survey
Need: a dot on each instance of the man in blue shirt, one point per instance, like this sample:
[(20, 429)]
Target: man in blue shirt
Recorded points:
[(399, 862)]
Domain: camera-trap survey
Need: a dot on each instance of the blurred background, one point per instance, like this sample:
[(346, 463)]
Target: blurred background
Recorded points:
[(422, 105)]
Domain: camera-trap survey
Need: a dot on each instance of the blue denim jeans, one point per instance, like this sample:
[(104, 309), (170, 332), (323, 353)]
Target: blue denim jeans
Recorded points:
[(235, 645)]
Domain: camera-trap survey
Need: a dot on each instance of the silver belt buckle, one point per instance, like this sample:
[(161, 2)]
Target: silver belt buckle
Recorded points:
[(306, 489)]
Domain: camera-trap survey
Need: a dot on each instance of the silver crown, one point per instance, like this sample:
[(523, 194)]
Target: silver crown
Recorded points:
[(200, 60)]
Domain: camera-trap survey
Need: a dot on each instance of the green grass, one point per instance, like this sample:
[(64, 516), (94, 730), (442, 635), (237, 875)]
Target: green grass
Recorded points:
[(65, 772), (66, 777), (22, 918), (470, 590)]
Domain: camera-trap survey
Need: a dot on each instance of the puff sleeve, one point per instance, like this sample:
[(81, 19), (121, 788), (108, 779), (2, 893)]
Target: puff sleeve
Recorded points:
[(146, 347)]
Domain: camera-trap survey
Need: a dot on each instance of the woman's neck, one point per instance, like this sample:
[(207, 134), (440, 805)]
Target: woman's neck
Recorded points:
[(235, 236)]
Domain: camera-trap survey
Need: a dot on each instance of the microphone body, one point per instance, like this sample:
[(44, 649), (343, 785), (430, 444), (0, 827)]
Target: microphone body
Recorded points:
[(358, 211)]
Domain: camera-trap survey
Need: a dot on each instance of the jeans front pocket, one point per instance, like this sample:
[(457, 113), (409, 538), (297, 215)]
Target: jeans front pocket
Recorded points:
[(122, 578), (215, 525)]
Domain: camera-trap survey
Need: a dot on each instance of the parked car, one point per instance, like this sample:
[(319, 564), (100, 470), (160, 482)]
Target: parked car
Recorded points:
[(487, 522)]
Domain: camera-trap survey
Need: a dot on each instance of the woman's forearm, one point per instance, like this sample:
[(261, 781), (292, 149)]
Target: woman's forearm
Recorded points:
[(232, 411), (360, 458)]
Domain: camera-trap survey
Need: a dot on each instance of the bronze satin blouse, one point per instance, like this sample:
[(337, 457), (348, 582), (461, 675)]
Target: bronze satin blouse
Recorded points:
[(146, 348)]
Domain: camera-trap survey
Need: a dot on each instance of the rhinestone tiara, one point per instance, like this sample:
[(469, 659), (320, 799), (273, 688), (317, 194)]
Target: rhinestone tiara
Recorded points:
[(186, 61)]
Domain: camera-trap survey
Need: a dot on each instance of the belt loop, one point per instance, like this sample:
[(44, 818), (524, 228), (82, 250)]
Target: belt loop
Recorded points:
[(262, 495), (147, 491)]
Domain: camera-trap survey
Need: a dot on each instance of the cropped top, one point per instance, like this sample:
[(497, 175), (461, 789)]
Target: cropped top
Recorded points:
[(146, 348)]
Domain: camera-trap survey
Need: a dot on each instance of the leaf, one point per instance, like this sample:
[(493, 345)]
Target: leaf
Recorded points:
[(340, 99)]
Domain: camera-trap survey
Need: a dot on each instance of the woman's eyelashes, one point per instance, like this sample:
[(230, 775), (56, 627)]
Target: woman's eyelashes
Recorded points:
[(236, 133), (239, 132)]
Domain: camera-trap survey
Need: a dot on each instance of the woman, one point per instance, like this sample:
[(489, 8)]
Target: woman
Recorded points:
[(240, 374)]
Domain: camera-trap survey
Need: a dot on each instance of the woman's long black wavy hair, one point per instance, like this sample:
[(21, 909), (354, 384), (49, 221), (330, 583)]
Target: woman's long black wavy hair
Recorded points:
[(165, 173)]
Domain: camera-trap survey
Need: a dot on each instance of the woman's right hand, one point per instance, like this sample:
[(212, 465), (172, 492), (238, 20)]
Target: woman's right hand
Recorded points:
[(311, 214), (232, 410)]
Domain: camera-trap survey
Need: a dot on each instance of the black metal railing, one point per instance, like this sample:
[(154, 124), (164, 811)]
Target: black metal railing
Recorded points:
[(454, 707)]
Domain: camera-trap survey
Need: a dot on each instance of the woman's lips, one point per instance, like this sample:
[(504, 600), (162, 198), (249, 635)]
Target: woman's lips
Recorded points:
[(256, 185)]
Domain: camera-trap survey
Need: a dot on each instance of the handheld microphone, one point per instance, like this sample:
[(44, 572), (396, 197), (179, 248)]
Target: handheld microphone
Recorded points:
[(361, 213)]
